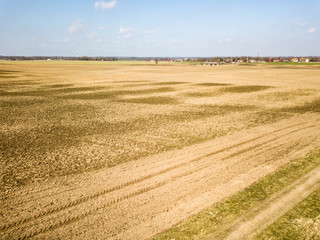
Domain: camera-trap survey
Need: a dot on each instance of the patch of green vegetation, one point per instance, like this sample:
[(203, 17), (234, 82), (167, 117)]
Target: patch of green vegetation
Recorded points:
[(313, 106), (276, 96), (135, 81), (8, 71), (115, 94), (137, 85), (212, 84), (48, 92), (58, 86), (51, 132), (74, 89), (21, 102), (145, 91), (152, 100), (92, 96), (8, 74), (215, 220), (5, 74), (169, 83), (245, 89), (224, 109), (302, 222), (11, 84), (266, 116), (202, 94)]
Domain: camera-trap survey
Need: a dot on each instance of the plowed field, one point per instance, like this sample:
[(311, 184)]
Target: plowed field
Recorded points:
[(116, 151)]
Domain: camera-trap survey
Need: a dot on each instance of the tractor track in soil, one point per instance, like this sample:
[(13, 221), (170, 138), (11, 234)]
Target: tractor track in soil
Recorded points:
[(274, 207), (141, 198)]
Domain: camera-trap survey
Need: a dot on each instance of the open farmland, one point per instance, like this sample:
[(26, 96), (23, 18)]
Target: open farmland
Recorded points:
[(126, 151)]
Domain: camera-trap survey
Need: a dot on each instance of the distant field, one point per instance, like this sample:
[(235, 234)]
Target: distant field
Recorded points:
[(68, 122)]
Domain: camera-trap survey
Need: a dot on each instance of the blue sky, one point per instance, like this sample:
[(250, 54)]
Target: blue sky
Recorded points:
[(154, 28)]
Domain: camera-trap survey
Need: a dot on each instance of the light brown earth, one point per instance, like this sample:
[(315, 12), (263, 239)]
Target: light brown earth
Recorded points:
[(137, 167)]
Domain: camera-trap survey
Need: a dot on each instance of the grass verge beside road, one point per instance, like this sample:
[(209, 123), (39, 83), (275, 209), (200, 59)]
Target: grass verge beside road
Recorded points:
[(302, 222), (215, 220)]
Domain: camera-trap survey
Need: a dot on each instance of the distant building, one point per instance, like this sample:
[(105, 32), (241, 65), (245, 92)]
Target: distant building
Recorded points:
[(295, 60), (276, 60), (304, 60)]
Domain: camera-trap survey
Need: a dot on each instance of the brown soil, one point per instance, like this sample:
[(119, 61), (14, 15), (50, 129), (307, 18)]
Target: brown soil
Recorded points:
[(116, 151), (141, 198)]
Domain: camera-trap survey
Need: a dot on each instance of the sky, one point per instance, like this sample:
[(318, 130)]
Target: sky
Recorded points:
[(160, 28)]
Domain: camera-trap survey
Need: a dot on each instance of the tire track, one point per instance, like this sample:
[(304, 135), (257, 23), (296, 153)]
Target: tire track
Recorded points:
[(87, 198), (275, 207), (258, 152), (138, 180), (177, 166), (265, 142)]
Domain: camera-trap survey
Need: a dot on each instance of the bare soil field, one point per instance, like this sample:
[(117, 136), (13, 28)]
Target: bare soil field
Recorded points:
[(125, 151)]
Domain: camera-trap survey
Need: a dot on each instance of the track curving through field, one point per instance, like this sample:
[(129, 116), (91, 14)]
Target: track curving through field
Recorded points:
[(139, 199)]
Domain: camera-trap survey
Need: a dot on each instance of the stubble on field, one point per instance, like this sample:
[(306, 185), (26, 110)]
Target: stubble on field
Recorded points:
[(59, 120)]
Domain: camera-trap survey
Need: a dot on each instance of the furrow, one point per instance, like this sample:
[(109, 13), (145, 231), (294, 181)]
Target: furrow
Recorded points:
[(71, 219), (265, 142), (138, 180)]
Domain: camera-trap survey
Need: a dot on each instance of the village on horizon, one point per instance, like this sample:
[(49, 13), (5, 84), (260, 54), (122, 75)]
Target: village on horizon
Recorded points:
[(203, 60)]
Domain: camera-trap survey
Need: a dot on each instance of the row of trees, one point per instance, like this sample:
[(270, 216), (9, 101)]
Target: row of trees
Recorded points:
[(199, 59), (84, 58)]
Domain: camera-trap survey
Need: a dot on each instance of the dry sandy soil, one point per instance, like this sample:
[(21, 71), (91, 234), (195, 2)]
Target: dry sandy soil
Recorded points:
[(119, 151)]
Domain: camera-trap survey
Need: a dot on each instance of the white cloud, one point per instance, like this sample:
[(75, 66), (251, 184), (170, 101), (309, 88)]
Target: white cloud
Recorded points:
[(311, 30), (92, 35), (34, 39), (227, 40), (150, 32), (99, 40), (105, 5), (173, 41), (76, 26), (101, 28), (300, 24), (124, 30), (150, 41), (43, 45)]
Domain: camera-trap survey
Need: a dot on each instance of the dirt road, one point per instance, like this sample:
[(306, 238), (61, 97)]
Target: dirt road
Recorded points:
[(141, 198), (275, 207)]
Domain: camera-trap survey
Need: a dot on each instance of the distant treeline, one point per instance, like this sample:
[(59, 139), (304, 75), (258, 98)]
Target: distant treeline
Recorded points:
[(179, 59), (84, 58)]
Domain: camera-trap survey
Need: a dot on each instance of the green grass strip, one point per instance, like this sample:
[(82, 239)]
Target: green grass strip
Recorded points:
[(302, 222), (213, 220)]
